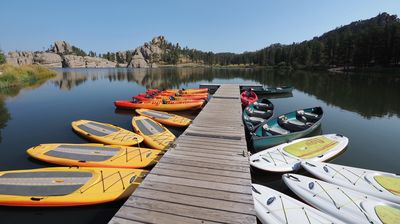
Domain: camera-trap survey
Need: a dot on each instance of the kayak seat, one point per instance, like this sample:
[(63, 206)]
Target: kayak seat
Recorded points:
[(275, 130), (308, 116)]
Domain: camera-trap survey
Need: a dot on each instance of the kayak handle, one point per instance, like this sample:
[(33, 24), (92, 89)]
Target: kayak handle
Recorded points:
[(293, 177), (36, 199), (307, 163)]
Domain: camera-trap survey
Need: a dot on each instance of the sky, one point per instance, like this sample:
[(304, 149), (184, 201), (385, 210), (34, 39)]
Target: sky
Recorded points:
[(208, 25)]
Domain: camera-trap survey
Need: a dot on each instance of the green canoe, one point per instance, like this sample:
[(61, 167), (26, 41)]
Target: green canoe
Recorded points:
[(262, 90), (257, 113), (286, 127)]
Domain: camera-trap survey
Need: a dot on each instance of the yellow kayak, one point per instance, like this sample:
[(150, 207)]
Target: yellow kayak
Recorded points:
[(105, 133), (95, 155), (165, 118), (155, 134), (67, 186)]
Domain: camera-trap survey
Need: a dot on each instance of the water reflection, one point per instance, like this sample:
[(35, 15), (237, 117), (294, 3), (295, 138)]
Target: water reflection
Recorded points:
[(370, 95)]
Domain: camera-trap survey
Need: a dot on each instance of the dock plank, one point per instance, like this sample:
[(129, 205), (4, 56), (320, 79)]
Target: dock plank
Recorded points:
[(203, 177)]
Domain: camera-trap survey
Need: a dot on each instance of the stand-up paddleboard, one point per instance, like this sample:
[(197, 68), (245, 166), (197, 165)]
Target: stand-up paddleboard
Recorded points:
[(105, 133), (342, 203), (165, 118), (67, 186), (375, 183), (287, 157), (273, 207), (155, 135), (95, 155)]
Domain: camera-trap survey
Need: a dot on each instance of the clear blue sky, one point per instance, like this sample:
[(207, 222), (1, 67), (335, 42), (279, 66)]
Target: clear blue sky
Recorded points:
[(209, 25)]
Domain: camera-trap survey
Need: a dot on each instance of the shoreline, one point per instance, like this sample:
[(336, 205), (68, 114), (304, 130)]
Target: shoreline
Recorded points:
[(12, 76)]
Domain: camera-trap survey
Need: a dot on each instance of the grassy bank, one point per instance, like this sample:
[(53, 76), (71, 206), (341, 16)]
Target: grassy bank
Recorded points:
[(19, 76)]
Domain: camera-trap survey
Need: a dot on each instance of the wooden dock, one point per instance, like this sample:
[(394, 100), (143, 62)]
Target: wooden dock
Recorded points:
[(204, 177)]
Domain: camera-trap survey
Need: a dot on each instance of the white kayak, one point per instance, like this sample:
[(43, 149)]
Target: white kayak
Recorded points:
[(379, 184), (288, 156), (274, 207), (348, 205)]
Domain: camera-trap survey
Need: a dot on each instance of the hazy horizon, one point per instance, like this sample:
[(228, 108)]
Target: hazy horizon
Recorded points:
[(220, 26)]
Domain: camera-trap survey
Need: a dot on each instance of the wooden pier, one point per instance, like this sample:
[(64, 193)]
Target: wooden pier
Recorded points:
[(204, 177)]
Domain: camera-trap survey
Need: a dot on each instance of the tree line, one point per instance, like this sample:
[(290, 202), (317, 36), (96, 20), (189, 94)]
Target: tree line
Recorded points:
[(375, 41)]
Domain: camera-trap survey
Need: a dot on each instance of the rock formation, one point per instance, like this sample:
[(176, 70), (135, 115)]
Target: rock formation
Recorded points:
[(47, 59), (61, 47), (63, 54), (148, 55), (95, 62), (19, 57), (73, 61), (60, 54)]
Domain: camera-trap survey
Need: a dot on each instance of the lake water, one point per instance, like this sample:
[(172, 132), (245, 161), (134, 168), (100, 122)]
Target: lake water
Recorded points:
[(363, 107)]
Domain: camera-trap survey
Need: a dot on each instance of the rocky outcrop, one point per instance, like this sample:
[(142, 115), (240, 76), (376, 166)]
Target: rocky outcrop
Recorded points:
[(95, 62), (48, 59), (60, 54), (148, 55), (73, 61), (19, 58), (61, 47), (138, 60)]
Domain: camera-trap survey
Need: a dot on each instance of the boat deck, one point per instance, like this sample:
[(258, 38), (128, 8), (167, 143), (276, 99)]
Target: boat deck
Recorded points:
[(204, 177)]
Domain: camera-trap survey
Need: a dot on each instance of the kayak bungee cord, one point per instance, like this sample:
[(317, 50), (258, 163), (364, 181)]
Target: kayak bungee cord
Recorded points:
[(361, 210), (334, 202), (360, 177), (102, 181)]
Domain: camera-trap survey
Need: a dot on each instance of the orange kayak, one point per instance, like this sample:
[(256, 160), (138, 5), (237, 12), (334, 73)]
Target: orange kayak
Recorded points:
[(160, 105)]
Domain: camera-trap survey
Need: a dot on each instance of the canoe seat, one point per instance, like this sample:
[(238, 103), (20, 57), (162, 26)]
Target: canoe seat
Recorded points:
[(262, 106), (275, 130), (256, 120), (258, 113), (293, 124), (307, 116)]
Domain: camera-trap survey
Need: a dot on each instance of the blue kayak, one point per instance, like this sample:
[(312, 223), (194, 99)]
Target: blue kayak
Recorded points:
[(286, 127)]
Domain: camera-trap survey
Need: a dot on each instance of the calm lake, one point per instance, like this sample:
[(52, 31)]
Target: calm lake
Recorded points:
[(363, 107)]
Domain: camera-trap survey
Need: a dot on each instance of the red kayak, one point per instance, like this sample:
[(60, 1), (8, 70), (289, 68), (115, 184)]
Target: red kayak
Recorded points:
[(181, 91), (170, 97), (248, 97)]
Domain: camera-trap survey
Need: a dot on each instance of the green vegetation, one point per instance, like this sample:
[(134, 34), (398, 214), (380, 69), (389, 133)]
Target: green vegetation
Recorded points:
[(366, 43), (24, 75), (78, 51), (2, 57)]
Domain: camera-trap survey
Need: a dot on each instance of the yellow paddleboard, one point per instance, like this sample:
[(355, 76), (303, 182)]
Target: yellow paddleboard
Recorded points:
[(165, 118), (95, 155), (155, 135), (67, 186), (105, 133)]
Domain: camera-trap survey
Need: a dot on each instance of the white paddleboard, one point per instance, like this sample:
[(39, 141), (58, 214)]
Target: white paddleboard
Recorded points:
[(379, 184), (288, 156), (340, 202), (274, 207)]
